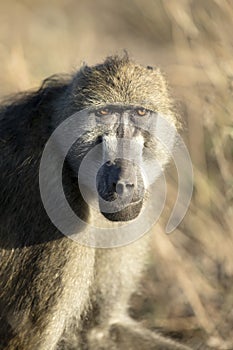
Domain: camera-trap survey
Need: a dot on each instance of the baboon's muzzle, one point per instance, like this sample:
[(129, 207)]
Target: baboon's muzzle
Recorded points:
[(120, 185)]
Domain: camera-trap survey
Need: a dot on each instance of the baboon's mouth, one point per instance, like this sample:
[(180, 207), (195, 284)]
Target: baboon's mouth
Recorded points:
[(128, 213)]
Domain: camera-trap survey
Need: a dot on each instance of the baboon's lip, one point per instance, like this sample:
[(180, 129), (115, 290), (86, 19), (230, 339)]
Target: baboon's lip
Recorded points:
[(136, 201), (131, 204), (122, 199), (133, 201), (128, 213), (127, 204)]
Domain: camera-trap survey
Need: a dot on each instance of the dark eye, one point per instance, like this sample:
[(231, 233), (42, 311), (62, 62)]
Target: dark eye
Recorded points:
[(103, 111), (141, 111)]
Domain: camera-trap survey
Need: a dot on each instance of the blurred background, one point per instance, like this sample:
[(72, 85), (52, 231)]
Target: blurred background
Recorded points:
[(187, 292)]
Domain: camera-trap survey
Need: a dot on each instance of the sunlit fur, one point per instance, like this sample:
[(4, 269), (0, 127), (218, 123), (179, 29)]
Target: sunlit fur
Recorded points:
[(52, 289)]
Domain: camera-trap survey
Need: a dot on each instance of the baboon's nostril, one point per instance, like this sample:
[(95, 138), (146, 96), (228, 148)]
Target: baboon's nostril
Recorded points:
[(129, 186), (124, 188), (120, 188)]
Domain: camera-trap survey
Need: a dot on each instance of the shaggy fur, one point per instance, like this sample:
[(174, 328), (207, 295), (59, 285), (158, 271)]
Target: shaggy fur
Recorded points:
[(48, 283)]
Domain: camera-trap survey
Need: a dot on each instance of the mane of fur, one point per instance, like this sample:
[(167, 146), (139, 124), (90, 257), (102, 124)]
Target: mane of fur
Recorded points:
[(120, 80)]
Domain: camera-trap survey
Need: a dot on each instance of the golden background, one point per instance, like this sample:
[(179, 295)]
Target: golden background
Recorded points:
[(188, 290)]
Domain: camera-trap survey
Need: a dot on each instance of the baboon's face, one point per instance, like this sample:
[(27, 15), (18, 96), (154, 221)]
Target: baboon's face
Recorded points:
[(121, 181), (125, 158)]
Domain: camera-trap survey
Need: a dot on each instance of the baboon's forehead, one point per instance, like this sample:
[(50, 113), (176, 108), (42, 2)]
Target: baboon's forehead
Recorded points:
[(122, 81)]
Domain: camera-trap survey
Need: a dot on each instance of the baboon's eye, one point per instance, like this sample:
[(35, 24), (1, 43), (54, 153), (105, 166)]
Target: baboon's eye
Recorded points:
[(141, 111), (103, 111)]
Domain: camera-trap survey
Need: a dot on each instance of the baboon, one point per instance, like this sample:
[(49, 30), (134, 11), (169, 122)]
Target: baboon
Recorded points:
[(55, 292)]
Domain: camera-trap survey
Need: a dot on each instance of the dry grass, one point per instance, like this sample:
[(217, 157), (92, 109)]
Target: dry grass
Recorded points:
[(189, 287)]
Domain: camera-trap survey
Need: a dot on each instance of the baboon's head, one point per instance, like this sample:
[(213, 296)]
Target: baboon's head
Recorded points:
[(122, 101)]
